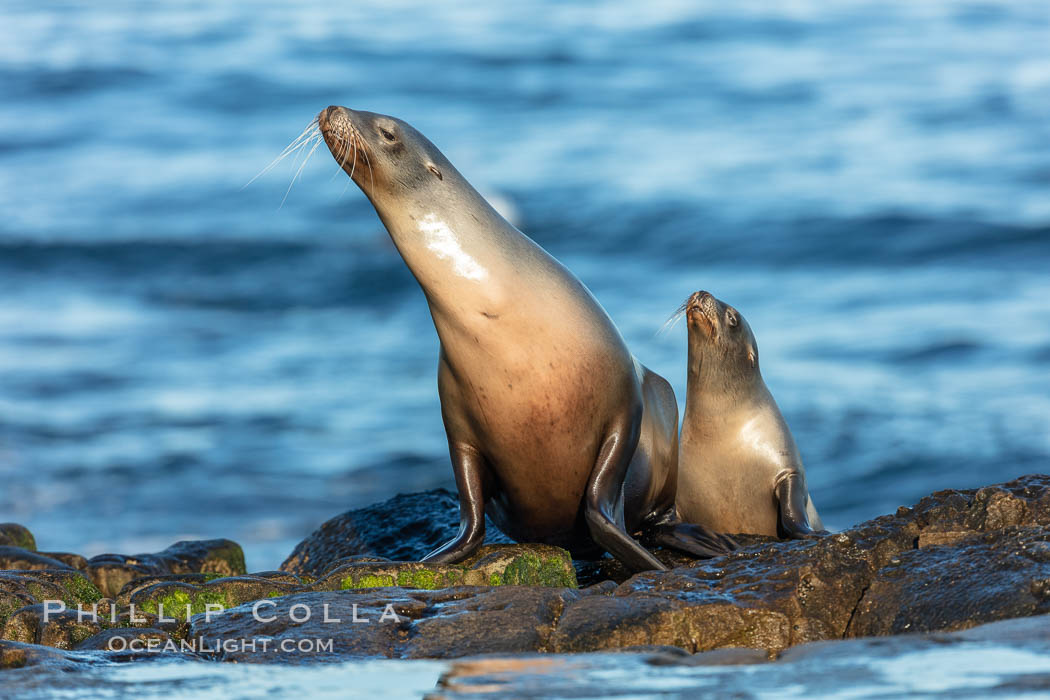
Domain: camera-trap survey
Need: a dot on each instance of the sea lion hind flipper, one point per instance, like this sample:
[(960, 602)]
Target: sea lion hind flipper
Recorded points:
[(603, 502), (692, 539), (793, 521), (469, 467)]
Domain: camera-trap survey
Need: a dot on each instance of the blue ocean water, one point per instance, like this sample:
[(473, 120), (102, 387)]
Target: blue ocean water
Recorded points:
[(868, 182)]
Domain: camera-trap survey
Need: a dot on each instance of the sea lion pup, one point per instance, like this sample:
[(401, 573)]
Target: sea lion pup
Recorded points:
[(739, 469), (553, 427)]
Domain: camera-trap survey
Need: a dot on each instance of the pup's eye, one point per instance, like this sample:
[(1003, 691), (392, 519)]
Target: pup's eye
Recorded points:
[(731, 319), (386, 134)]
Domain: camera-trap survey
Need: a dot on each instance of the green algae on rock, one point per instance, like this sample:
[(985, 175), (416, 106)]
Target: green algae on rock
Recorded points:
[(67, 585), (180, 600), (491, 565), (15, 535), (524, 565)]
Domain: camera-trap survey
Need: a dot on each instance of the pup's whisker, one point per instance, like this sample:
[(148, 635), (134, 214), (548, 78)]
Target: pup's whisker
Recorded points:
[(674, 318)]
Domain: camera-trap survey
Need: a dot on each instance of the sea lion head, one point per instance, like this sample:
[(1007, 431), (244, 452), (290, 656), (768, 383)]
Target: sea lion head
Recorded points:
[(384, 156), (720, 338)]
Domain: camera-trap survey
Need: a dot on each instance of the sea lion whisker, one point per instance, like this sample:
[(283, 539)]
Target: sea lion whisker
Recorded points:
[(297, 143), (342, 161), (353, 165), (306, 160), (674, 318), (299, 151), (346, 151), (368, 162), (310, 129), (298, 148), (302, 138)]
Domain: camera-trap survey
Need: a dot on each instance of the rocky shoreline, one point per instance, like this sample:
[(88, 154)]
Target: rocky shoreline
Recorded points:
[(955, 560)]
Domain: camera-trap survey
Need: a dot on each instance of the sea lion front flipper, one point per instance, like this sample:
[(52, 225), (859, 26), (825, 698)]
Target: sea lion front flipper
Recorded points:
[(603, 501), (469, 467), (695, 540), (791, 497)]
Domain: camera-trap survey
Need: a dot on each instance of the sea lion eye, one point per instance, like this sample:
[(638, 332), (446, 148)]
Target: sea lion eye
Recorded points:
[(386, 134), (731, 319)]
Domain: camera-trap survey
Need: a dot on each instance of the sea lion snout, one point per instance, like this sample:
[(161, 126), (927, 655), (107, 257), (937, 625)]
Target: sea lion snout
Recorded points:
[(702, 311), (701, 300), (335, 122), (342, 131), (332, 115)]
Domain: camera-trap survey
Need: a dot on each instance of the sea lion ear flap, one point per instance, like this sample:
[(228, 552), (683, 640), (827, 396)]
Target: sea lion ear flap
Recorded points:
[(752, 356), (433, 168)]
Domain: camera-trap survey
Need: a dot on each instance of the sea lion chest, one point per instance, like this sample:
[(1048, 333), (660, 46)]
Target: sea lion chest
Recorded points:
[(531, 384)]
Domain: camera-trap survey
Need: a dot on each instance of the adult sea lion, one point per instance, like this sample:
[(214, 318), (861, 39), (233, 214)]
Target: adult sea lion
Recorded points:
[(739, 468), (553, 427)]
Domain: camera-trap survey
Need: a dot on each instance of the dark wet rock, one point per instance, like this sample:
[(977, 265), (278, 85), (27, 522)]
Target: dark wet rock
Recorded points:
[(15, 535), (608, 569), (62, 629), (773, 596), (984, 577), (121, 639), (405, 528), (768, 597), (388, 622), (873, 667), (74, 561), (38, 660), (491, 622), (23, 559), (272, 630), (494, 621), (983, 548), (111, 572), (14, 655), (20, 590)]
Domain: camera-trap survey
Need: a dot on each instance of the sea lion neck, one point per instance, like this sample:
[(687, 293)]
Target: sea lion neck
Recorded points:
[(453, 241), (715, 379)]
